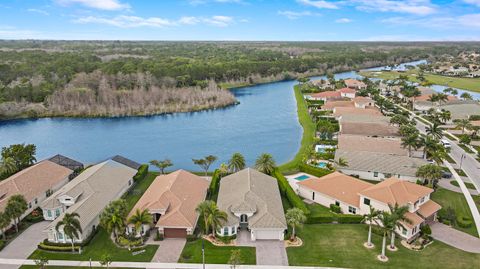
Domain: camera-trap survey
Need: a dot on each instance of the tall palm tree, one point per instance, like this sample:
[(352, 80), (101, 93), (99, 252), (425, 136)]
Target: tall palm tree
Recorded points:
[(342, 162), (16, 207), (113, 218), (203, 209), (265, 164), (442, 98), (140, 218), (463, 124), (370, 218), (216, 218), (7, 166), (434, 130), (71, 227), (236, 162), (411, 142), (295, 218), (398, 217), (445, 115), (430, 145), (5, 222), (387, 222), (430, 173), (162, 165)]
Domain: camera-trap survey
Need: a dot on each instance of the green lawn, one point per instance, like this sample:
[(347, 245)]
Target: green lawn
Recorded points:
[(467, 184), (319, 210), (63, 267), (458, 202), (341, 245), (192, 253), (308, 137), (133, 195), (100, 244)]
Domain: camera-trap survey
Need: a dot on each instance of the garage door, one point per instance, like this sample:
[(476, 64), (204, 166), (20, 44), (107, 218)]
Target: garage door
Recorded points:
[(267, 235), (174, 233)]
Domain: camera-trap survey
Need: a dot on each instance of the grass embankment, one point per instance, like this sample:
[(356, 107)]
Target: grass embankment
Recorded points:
[(134, 194), (458, 202), (308, 136), (472, 84), (336, 245), (192, 253)]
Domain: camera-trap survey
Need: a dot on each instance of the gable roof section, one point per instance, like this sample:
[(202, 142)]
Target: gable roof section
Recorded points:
[(329, 105), (338, 186), (177, 193), (341, 111), (395, 191), (327, 94), (33, 181), (388, 145), (249, 189)]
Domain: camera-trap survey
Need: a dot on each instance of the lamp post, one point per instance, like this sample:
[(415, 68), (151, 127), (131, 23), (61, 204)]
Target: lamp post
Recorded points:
[(203, 252), (461, 160), (90, 260)]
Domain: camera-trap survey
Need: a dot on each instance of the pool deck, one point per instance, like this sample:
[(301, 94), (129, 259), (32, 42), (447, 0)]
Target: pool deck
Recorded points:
[(293, 182)]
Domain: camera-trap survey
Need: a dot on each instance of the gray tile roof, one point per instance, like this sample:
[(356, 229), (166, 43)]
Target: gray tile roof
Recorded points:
[(380, 162), (462, 109), (66, 162), (251, 191)]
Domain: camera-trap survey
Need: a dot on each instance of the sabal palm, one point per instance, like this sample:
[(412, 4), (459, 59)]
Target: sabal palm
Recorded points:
[(370, 218), (295, 218), (216, 218), (463, 124), (16, 207), (236, 163), (4, 223), (204, 209), (398, 217), (140, 218), (265, 163), (71, 227), (445, 115)]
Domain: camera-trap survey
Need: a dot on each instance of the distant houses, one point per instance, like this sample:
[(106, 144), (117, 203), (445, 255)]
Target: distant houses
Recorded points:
[(369, 125), (355, 84)]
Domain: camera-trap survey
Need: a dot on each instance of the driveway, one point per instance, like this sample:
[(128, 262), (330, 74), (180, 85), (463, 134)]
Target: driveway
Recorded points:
[(455, 238), (24, 244), (169, 250), (269, 252)]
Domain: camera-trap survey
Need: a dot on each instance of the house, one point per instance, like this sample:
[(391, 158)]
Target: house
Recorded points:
[(355, 196), (71, 164), (171, 200), (423, 103), (388, 145), (252, 202), (36, 183), (461, 109), (326, 96), (368, 125), (355, 84), (363, 102), (348, 92), (87, 195), (379, 166), (322, 84), (330, 105), (341, 111)]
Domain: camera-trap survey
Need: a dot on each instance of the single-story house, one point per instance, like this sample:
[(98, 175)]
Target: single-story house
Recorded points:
[(368, 125), (347, 92), (87, 195), (363, 102), (379, 166), (422, 102), (330, 105), (341, 111), (325, 96), (322, 84), (388, 145), (355, 84), (36, 183), (355, 196), (171, 200), (69, 163), (252, 202)]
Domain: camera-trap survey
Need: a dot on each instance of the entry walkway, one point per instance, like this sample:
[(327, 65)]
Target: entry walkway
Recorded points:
[(455, 238)]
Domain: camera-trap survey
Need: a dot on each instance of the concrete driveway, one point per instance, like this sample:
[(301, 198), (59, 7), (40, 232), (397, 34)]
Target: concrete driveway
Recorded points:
[(24, 244), (455, 238), (169, 250), (271, 253)]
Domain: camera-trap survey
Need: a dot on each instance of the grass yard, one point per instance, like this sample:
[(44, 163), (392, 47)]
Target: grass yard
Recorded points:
[(100, 244), (192, 253), (63, 267), (458, 202), (133, 195), (319, 210), (308, 137), (341, 245), (467, 184)]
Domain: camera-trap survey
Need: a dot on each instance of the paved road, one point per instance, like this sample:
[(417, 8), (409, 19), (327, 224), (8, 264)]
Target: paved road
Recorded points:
[(455, 238), (469, 164)]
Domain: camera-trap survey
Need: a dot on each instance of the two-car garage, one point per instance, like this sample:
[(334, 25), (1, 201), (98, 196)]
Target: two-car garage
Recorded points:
[(175, 233), (267, 234)]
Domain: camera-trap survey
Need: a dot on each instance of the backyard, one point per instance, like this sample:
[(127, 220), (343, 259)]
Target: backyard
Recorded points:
[(192, 253), (341, 245)]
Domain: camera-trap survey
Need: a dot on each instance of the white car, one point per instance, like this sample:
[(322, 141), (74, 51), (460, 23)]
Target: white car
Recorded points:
[(446, 143)]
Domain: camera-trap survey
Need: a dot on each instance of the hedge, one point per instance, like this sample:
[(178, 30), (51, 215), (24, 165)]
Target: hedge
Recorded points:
[(57, 248), (340, 218), (314, 171), (142, 172), (464, 222), (320, 219), (347, 218), (287, 191), (214, 185), (335, 208), (81, 244)]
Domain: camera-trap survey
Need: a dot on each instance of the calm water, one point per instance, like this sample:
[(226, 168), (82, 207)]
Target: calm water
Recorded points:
[(264, 121)]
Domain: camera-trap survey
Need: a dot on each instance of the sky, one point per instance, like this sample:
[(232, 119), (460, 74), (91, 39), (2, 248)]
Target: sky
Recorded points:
[(283, 20)]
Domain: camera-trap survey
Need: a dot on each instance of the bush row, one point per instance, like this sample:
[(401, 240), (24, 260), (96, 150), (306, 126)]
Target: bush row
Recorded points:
[(464, 222), (82, 244), (214, 185), (58, 248), (288, 192), (142, 172), (314, 171), (340, 218)]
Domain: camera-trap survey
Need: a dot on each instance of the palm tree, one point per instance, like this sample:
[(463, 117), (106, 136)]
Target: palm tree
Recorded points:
[(411, 142), (463, 124), (223, 169), (398, 216), (442, 98), (433, 98), (430, 173), (113, 217), (434, 130), (342, 162), (5, 222), (387, 222), (445, 115), (71, 227), (237, 162), (162, 165), (430, 145), (216, 218), (265, 163), (203, 209), (140, 218), (370, 218), (295, 218), (16, 207), (7, 166)]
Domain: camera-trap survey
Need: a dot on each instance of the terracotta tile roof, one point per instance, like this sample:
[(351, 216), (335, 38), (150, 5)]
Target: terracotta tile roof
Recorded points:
[(327, 94), (395, 191), (178, 194), (428, 208), (390, 145), (330, 105), (475, 122), (33, 181), (414, 218), (425, 97), (362, 100), (347, 90), (340, 111), (338, 186), (354, 83)]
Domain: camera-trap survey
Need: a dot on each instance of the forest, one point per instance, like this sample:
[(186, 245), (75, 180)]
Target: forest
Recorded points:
[(120, 78)]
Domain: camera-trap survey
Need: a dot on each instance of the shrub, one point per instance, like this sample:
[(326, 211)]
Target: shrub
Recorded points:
[(124, 241), (318, 172), (227, 239), (191, 238), (349, 218), (335, 208), (214, 185), (142, 172), (464, 222), (287, 191), (320, 219), (158, 236), (58, 248), (425, 229), (2, 244)]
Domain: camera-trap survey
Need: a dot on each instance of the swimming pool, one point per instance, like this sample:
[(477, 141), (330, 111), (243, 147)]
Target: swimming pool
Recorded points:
[(322, 165), (302, 177)]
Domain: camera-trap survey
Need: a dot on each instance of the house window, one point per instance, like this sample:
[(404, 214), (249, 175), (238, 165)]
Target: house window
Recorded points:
[(337, 203), (30, 205), (57, 212), (48, 193), (49, 213), (60, 236), (313, 196), (404, 231), (422, 199), (375, 174), (366, 201), (225, 231), (243, 218), (36, 200), (352, 210), (414, 230)]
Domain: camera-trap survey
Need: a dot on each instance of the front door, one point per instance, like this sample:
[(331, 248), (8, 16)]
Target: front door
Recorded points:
[(243, 221)]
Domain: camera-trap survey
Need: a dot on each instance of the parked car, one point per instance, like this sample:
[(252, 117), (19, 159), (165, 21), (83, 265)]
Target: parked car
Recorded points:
[(446, 174), (446, 143)]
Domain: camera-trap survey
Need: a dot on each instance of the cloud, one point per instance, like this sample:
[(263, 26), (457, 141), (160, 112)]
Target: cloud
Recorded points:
[(9, 32), (39, 11), (295, 15), (445, 22), (472, 2), (123, 21), (202, 2), (415, 7), (470, 20), (318, 4), (343, 20), (97, 4)]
